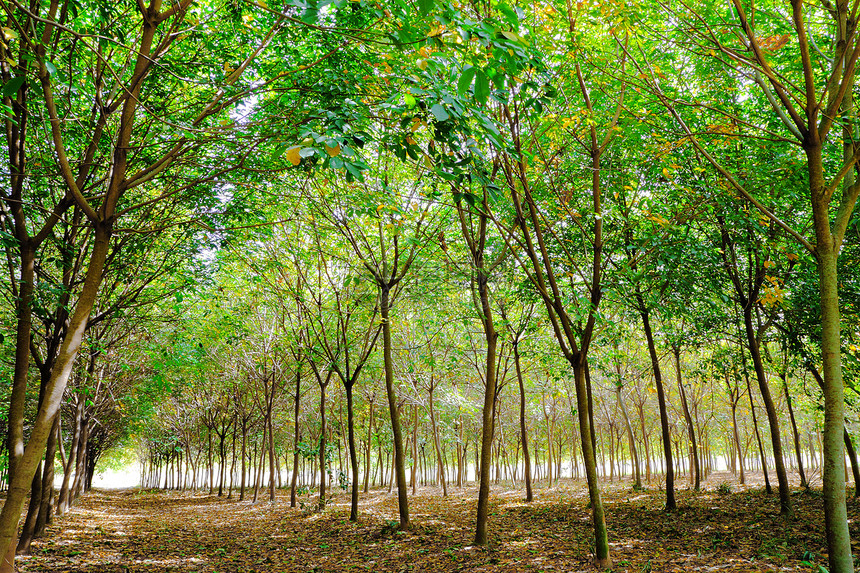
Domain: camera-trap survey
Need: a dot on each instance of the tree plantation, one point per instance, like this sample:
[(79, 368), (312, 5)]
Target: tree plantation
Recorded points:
[(430, 285)]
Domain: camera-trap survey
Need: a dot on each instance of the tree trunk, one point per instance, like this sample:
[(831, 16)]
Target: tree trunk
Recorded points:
[(244, 456), (634, 455), (488, 413), (413, 477), (296, 399), (527, 463), (770, 409), (48, 480), (835, 510), (270, 420), (758, 435), (852, 457), (437, 446), (794, 434), (399, 468), (590, 461), (661, 399), (736, 434), (353, 454), (322, 445), (32, 512), (676, 350), (19, 479)]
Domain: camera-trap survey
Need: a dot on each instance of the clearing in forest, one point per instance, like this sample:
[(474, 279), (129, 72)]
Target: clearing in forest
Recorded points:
[(713, 530)]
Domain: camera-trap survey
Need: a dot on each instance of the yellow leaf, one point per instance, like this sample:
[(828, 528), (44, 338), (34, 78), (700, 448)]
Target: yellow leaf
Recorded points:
[(512, 36), (333, 151), (9, 33), (293, 154)]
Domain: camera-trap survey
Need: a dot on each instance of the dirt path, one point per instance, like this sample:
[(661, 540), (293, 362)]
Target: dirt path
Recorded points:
[(130, 531)]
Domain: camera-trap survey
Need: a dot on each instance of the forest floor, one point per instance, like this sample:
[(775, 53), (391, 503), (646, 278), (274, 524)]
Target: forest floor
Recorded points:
[(714, 530)]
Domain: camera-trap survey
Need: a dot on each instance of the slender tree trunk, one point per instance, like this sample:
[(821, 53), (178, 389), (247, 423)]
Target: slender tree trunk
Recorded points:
[(527, 463), (676, 350), (413, 478), (323, 445), (758, 435), (81, 467), (388, 362), (367, 450), (296, 436), (770, 410), (244, 456), (270, 403), (740, 451), (645, 444), (488, 412), (852, 457), (794, 434), (232, 460), (45, 512), (634, 455), (437, 446), (32, 511), (661, 399), (590, 461), (353, 454), (21, 475)]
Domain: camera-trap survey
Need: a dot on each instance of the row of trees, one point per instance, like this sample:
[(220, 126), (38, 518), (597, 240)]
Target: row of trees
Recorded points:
[(455, 200)]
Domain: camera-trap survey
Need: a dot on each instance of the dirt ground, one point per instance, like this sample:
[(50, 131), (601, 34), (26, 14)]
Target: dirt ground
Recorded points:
[(715, 530)]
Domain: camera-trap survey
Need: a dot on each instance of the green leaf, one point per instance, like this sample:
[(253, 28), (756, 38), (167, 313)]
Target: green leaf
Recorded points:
[(424, 6), (465, 81), (353, 171), (482, 86), (438, 110), (52, 69), (12, 86), (508, 13)]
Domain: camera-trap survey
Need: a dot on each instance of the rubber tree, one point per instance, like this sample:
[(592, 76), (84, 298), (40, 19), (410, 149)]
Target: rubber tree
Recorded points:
[(541, 202), (814, 112), (342, 318), (475, 226), (386, 241), (103, 185), (746, 266)]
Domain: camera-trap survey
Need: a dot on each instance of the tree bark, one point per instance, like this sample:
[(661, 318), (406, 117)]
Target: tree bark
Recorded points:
[(794, 433), (691, 430), (437, 446), (852, 457), (19, 479), (388, 363), (296, 436), (353, 454), (770, 410), (634, 454), (661, 400), (527, 463)]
